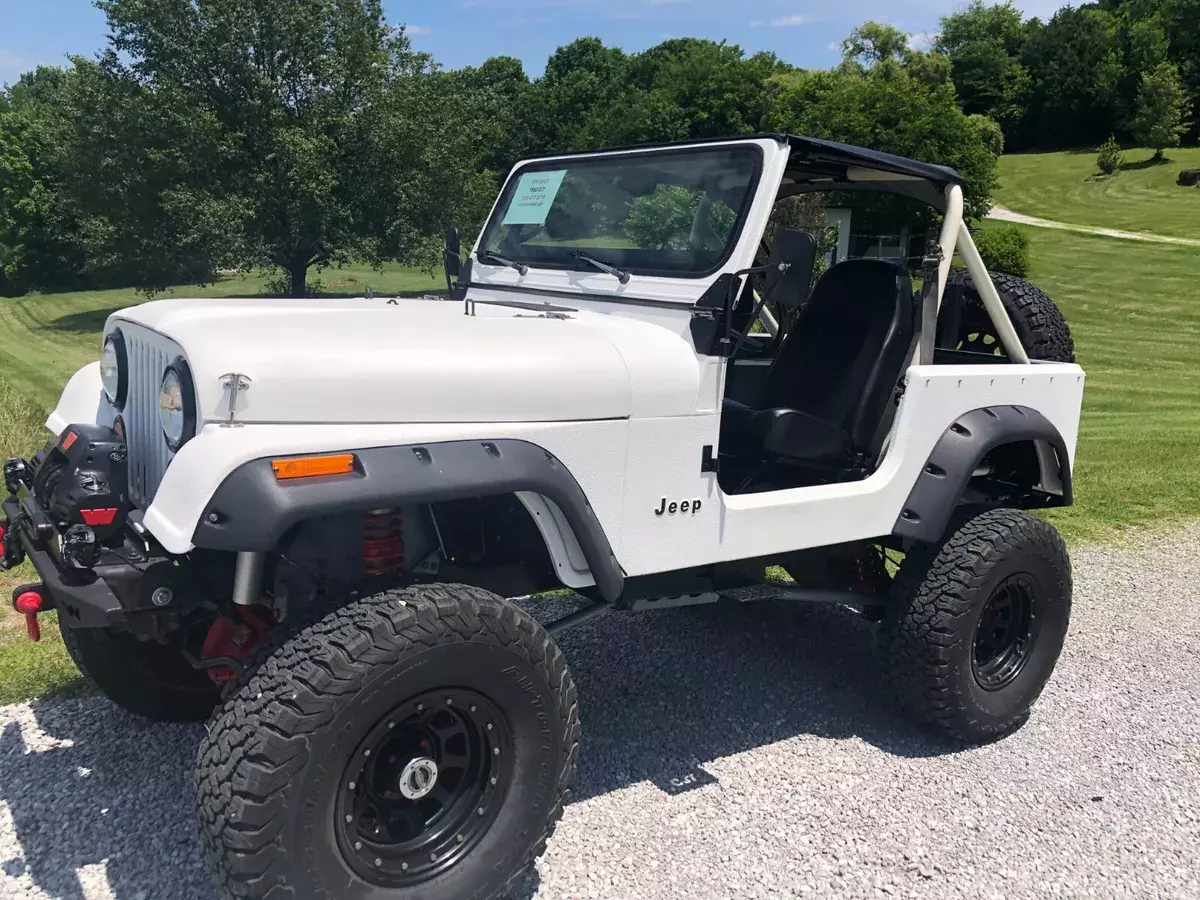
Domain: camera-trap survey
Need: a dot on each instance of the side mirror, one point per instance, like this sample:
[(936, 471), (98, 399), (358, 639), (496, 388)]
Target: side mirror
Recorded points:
[(788, 287), (452, 256)]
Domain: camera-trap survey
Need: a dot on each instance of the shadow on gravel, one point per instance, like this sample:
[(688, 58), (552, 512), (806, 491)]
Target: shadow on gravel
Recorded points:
[(90, 785), (661, 695)]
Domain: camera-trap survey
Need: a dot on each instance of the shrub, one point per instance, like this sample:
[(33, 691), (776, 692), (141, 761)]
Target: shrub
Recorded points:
[(1005, 249), (1111, 158), (991, 133)]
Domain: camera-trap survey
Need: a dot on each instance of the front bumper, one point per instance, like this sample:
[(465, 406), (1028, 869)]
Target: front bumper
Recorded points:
[(85, 598), (98, 569)]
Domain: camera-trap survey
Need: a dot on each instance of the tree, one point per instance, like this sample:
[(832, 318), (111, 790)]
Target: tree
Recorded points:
[(1161, 102), (984, 44), (40, 244), (297, 100), (1181, 23), (1076, 67), (662, 220), (711, 89), (665, 219), (902, 102), (139, 170), (595, 96), (496, 93), (573, 103), (875, 42)]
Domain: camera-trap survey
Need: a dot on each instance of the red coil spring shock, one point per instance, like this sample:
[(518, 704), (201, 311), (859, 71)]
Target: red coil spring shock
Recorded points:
[(383, 541)]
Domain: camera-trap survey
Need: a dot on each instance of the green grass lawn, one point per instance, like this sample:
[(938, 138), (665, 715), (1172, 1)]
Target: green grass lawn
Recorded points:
[(1134, 310), (1142, 197)]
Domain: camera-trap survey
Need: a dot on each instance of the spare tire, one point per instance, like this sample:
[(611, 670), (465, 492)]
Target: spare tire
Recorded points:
[(1039, 323)]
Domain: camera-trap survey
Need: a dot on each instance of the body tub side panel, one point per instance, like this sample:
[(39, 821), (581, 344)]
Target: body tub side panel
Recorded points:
[(665, 466)]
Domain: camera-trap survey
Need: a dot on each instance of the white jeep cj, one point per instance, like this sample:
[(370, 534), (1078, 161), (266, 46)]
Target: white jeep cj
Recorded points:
[(301, 519)]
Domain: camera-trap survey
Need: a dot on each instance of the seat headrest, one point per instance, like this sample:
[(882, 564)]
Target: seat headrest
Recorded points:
[(873, 280)]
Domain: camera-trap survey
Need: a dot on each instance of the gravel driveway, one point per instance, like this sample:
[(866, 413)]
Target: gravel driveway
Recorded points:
[(738, 756)]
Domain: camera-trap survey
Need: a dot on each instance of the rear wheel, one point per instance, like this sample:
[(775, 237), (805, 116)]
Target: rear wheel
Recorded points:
[(421, 742), (977, 624), (147, 678), (1038, 321)]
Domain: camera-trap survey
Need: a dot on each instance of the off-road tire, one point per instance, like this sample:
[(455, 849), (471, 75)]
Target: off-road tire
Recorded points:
[(269, 766), (149, 679), (926, 642), (1038, 321)]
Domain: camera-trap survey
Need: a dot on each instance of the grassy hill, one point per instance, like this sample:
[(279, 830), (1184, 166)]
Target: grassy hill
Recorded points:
[(1141, 197)]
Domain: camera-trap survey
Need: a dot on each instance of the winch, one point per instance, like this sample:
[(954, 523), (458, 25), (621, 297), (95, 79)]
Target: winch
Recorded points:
[(80, 481)]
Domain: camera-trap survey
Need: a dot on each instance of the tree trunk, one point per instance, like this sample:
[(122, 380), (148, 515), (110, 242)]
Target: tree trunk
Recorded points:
[(1158, 154), (298, 277)]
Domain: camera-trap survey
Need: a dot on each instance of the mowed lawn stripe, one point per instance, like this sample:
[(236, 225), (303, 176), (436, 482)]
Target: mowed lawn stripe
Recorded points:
[(1065, 187), (1134, 309)]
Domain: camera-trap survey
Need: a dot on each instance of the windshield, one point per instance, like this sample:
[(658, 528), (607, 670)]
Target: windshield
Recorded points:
[(663, 213)]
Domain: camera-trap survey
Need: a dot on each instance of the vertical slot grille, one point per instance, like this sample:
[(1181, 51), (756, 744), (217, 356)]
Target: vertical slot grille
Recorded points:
[(149, 454)]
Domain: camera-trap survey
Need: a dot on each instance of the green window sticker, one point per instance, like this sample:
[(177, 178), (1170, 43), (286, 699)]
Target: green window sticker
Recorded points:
[(533, 198)]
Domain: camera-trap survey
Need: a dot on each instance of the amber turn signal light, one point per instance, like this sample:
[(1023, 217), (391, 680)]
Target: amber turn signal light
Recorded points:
[(313, 466)]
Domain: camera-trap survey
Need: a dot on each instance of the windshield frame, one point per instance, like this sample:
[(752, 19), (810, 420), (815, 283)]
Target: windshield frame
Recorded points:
[(552, 163)]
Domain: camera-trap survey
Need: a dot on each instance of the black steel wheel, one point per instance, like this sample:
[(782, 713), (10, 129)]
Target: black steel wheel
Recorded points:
[(976, 624), (1005, 633), (424, 786), (977, 334), (417, 743)]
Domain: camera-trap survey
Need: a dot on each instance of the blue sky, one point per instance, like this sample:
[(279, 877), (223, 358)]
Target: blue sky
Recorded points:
[(464, 32)]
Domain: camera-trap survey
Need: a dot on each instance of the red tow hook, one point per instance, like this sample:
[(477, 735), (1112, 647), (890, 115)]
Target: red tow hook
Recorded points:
[(29, 602)]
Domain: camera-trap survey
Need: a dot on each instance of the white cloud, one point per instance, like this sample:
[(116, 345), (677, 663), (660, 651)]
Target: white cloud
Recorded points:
[(835, 46), (417, 30), (921, 40), (1043, 9), (781, 22)]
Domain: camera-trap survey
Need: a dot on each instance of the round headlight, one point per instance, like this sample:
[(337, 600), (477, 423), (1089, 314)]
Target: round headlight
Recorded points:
[(176, 405), (113, 369)]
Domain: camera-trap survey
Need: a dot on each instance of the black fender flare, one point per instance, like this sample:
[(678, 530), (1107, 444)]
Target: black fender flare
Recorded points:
[(252, 510), (957, 455)]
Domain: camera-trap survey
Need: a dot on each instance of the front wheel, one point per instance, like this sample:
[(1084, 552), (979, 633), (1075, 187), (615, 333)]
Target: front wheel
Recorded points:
[(149, 679), (418, 743), (977, 624)]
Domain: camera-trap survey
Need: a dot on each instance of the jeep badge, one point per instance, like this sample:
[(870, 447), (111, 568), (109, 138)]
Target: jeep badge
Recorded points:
[(683, 506)]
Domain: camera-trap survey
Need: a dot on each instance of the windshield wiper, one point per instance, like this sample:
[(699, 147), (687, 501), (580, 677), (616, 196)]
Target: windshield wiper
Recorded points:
[(600, 264), (489, 256)]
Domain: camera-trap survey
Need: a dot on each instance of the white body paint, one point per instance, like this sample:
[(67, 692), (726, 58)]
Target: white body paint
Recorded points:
[(616, 391)]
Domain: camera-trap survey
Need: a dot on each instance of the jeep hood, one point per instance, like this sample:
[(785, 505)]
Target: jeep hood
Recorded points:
[(374, 360)]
